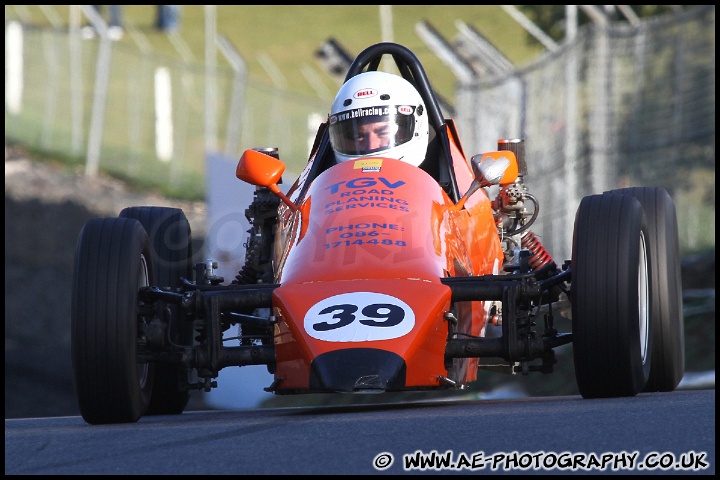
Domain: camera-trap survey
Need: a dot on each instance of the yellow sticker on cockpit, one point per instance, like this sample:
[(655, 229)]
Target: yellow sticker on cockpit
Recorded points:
[(368, 164)]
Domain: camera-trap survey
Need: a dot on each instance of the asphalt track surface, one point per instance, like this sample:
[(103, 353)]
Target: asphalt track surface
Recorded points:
[(651, 433)]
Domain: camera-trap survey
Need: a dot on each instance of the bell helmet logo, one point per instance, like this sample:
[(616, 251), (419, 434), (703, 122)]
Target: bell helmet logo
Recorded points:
[(405, 110), (365, 93)]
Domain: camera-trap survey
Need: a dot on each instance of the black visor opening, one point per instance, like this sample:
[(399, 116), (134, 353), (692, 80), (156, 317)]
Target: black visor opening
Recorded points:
[(364, 131)]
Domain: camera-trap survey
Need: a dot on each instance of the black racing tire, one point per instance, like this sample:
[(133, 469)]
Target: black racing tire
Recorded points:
[(610, 297), (112, 261), (171, 245), (668, 365)]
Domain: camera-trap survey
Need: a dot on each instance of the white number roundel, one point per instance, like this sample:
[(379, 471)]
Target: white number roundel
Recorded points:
[(359, 317)]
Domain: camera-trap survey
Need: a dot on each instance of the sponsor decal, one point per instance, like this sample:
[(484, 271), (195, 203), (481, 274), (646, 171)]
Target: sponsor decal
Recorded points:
[(364, 192), (368, 164), (365, 93), (361, 113), (364, 182), (405, 110)]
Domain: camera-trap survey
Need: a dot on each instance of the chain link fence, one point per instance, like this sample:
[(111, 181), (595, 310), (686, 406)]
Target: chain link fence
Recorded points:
[(115, 108), (619, 106)]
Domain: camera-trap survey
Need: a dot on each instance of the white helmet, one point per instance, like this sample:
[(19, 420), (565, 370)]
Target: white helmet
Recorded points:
[(378, 113)]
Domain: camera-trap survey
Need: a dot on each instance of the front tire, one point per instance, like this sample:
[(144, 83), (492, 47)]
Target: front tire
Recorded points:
[(112, 261), (171, 244), (610, 294), (668, 365)]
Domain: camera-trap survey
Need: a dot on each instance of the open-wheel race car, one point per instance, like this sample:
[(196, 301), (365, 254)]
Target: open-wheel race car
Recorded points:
[(378, 275)]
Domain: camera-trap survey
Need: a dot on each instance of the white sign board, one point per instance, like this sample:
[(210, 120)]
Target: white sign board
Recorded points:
[(227, 198)]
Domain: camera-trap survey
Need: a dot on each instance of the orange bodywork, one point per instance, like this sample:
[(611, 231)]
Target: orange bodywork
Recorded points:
[(360, 264)]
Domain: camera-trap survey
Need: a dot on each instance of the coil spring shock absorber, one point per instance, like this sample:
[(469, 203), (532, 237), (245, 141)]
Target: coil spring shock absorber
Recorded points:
[(540, 255)]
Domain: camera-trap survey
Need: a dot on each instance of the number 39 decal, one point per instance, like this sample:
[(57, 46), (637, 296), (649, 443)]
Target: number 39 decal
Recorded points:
[(359, 317)]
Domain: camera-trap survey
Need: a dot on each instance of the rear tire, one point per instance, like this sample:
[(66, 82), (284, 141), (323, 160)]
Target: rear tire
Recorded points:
[(112, 261), (668, 365), (171, 245), (610, 295)]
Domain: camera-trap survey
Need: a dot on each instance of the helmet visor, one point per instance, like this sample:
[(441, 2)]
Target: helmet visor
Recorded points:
[(364, 131)]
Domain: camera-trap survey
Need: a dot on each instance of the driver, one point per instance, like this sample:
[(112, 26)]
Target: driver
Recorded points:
[(381, 114), (378, 114)]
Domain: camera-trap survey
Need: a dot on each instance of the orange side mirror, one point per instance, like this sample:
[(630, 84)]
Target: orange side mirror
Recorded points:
[(257, 168), (495, 168)]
